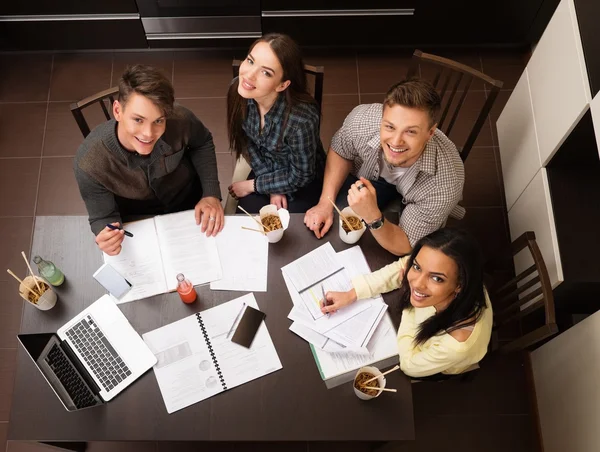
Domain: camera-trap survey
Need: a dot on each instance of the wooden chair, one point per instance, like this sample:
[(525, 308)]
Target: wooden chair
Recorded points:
[(454, 76), (517, 303), (77, 107), (242, 167)]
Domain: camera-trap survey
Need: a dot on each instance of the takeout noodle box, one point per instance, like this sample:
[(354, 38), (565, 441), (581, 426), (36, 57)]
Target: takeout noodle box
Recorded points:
[(48, 298), (352, 236), (284, 217), (373, 371)]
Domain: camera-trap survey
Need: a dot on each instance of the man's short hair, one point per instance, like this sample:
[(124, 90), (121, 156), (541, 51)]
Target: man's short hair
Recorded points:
[(415, 93), (148, 82)]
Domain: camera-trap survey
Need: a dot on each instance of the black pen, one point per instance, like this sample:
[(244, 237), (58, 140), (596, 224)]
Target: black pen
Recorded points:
[(116, 228)]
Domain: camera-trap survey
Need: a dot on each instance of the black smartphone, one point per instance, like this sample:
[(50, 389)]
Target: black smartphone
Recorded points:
[(248, 326)]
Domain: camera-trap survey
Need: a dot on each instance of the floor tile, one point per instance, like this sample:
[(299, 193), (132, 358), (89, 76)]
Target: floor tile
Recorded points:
[(271, 446), (16, 237), (504, 65), (213, 114), (488, 225), (202, 74), (25, 77), (345, 446), (160, 60), (3, 433), (18, 186), (335, 110), (121, 446), (497, 108), (11, 308), (482, 186), (63, 136), (28, 446), (22, 129), (340, 75), (378, 71), (59, 193), (77, 75), (225, 165), (7, 376), (372, 98)]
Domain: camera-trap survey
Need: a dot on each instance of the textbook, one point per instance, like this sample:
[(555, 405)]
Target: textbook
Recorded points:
[(340, 367), (196, 358), (162, 247)]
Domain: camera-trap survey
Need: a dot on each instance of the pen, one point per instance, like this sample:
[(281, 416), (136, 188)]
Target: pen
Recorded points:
[(116, 228), (324, 298)]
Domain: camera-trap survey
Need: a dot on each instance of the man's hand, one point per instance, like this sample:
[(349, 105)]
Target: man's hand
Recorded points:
[(362, 197), (280, 201), (240, 189), (319, 218), (337, 300), (209, 212), (109, 240)]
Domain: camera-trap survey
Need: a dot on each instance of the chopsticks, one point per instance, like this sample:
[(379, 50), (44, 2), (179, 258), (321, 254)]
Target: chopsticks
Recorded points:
[(385, 373), (379, 389), (9, 271), (251, 229), (264, 229), (31, 271), (350, 228)]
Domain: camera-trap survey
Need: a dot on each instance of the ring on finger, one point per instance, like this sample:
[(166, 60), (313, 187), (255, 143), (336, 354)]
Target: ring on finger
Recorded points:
[(360, 187)]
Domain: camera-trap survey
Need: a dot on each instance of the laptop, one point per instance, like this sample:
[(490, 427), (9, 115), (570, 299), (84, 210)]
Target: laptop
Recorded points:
[(92, 358)]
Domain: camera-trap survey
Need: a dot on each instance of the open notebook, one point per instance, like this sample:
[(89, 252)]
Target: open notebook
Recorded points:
[(162, 247), (197, 360)]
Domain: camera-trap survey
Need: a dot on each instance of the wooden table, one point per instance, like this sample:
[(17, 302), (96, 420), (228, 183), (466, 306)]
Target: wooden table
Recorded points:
[(288, 405)]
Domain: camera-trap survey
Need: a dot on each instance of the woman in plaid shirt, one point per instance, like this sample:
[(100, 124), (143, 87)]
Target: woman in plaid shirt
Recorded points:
[(273, 122)]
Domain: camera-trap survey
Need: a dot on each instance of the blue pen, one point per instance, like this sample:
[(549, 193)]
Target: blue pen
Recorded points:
[(116, 228)]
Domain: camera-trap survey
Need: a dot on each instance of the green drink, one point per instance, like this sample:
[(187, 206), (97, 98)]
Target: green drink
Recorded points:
[(49, 271)]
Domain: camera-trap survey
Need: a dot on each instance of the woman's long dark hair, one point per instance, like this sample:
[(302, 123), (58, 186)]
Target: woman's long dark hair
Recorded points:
[(467, 308), (289, 56)]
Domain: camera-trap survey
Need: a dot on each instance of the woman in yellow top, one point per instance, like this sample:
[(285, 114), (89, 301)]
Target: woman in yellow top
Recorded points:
[(446, 313)]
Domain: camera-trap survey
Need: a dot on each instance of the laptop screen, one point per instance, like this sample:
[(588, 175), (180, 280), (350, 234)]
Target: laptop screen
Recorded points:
[(34, 344)]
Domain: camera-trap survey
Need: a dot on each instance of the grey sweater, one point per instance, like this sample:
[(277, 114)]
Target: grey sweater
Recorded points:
[(182, 164)]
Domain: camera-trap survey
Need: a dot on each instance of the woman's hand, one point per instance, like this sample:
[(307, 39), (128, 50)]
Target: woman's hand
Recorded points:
[(109, 240), (280, 201), (337, 300), (240, 189)]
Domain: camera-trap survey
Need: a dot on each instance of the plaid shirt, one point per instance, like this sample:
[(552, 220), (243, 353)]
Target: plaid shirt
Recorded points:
[(286, 155), (430, 189)]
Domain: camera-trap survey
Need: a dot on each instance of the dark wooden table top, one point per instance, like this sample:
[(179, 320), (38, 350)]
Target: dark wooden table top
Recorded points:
[(291, 404)]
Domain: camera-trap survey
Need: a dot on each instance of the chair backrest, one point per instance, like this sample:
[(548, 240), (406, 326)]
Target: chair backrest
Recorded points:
[(516, 302), (99, 98), (449, 78), (315, 88)]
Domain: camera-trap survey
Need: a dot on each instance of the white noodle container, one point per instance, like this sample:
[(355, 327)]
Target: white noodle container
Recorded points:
[(284, 217), (376, 373), (352, 236)]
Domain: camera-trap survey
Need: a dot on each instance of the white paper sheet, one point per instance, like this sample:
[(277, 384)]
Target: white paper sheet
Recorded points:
[(186, 372), (185, 249), (244, 256), (313, 267), (140, 262)]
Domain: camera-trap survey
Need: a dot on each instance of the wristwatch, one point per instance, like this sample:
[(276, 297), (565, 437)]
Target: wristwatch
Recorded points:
[(377, 224)]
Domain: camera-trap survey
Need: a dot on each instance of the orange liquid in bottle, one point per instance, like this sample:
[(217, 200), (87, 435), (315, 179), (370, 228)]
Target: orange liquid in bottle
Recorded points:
[(185, 289)]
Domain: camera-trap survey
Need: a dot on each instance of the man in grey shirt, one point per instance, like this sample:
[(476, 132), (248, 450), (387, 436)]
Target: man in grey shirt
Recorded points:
[(393, 150), (155, 157)]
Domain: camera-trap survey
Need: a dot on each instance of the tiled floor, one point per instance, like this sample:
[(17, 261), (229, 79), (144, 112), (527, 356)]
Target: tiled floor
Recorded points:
[(38, 139)]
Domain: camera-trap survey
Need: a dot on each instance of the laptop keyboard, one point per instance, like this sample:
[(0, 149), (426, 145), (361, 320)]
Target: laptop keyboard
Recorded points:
[(98, 353), (80, 394)]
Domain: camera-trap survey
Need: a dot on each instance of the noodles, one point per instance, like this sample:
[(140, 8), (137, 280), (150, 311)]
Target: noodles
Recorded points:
[(354, 222), (271, 223), (359, 382)]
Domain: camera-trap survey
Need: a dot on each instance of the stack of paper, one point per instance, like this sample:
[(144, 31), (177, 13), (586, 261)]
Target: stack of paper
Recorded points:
[(355, 331)]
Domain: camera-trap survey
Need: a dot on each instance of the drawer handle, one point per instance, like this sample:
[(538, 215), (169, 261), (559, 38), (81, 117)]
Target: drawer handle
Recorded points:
[(339, 12), (69, 17)]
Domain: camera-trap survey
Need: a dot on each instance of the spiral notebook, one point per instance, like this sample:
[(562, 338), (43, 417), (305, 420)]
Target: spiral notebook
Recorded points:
[(196, 360)]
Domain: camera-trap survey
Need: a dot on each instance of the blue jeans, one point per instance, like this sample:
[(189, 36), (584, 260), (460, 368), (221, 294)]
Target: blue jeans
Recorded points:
[(386, 192)]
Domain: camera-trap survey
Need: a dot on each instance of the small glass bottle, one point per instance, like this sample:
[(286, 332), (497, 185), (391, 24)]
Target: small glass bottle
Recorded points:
[(49, 271), (185, 289)]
